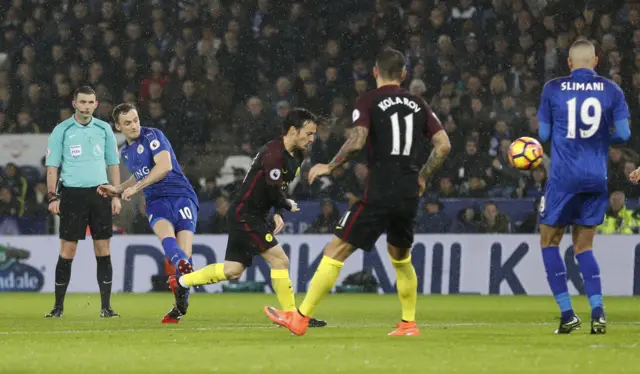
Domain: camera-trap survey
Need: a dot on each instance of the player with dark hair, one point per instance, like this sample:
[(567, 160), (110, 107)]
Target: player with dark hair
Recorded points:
[(273, 168), (393, 124), (172, 204), (578, 112)]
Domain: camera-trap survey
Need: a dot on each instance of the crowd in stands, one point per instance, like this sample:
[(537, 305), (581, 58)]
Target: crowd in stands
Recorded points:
[(218, 76)]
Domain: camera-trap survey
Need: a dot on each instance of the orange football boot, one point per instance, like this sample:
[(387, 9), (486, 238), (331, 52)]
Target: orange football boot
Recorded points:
[(406, 329), (294, 321)]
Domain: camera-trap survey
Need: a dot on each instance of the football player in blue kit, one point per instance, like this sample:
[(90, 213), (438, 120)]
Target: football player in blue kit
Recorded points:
[(172, 204), (582, 114)]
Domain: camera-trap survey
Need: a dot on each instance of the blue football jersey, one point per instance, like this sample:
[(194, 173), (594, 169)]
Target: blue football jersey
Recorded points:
[(138, 157), (581, 109)]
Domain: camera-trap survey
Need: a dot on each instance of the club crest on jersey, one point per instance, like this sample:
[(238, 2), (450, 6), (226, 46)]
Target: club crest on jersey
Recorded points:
[(355, 115), (140, 149), (155, 144), (275, 174), (268, 238)]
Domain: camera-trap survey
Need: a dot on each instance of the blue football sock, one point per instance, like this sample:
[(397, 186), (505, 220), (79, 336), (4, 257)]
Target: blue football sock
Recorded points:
[(557, 277), (173, 251), (592, 284)]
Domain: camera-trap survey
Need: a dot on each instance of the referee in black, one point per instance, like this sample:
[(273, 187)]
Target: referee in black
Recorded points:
[(85, 147)]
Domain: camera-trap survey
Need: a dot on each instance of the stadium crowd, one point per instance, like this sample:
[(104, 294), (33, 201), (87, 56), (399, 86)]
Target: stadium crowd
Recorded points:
[(217, 76)]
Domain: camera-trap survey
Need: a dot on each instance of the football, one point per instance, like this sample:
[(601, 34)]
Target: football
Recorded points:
[(525, 153)]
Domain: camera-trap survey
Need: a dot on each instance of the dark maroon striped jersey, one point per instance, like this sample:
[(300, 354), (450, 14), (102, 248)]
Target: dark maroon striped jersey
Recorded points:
[(264, 186), (399, 123)]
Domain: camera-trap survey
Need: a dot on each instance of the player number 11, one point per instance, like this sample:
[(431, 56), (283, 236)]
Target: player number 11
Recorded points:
[(591, 120), (408, 135)]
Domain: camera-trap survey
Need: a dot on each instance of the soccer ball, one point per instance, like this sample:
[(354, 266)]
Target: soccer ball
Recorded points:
[(525, 153)]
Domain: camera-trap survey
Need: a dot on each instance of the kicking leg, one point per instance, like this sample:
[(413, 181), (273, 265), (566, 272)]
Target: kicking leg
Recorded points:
[(407, 284), (165, 231), (550, 237), (583, 247), (184, 240), (210, 274)]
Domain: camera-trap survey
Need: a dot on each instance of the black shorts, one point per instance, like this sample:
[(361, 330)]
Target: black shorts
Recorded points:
[(363, 224), (248, 238), (82, 207)]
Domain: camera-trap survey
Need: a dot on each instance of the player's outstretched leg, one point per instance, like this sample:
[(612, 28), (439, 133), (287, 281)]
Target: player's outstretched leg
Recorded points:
[(407, 284), (557, 277), (583, 243), (322, 282)]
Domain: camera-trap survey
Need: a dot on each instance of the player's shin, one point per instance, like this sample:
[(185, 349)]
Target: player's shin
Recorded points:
[(321, 284), (407, 284), (283, 288), (173, 251), (210, 274), (105, 279), (63, 274), (592, 284), (557, 277)]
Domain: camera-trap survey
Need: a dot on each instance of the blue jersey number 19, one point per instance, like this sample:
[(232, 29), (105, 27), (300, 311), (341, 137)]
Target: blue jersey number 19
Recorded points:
[(591, 120)]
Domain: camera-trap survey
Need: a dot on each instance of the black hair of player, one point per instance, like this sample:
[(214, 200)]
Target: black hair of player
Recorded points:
[(123, 108), (391, 64), (85, 90), (296, 118)]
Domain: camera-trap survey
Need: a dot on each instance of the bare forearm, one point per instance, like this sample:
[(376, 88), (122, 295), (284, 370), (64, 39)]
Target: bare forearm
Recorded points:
[(114, 174), (52, 179), (128, 183), (354, 143), (155, 175), (434, 163)]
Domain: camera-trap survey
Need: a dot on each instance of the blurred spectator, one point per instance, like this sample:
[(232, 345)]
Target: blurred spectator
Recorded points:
[(232, 188), (328, 219), (467, 221), (12, 178), (618, 219), (219, 223), (9, 205), (356, 183), (494, 221), (531, 223), (431, 219), (38, 205)]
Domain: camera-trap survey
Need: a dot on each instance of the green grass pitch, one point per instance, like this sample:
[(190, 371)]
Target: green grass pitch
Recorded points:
[(226, 333)]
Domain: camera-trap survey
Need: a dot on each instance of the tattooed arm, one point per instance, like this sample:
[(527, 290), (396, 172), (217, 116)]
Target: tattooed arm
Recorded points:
[(441, 149), (355, 142)]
